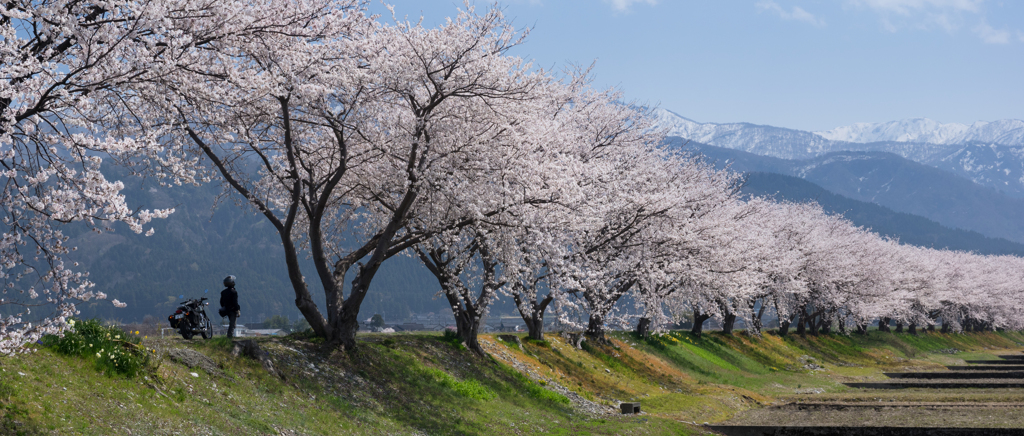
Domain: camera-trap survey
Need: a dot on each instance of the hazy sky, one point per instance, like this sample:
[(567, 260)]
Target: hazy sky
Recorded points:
[(810, 65)]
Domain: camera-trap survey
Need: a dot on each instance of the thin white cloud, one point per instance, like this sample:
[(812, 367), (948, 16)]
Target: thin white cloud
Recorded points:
[(624, 5), (796, 14), (909, 7), (949, 15), (921, 14), (992, 35)]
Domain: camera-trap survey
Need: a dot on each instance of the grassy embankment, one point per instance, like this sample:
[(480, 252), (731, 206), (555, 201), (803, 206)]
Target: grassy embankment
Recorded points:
[(420, 384)]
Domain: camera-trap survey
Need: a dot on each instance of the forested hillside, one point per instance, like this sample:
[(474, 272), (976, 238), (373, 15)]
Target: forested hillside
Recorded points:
[(890, 181), (908, 228), (202, 242)]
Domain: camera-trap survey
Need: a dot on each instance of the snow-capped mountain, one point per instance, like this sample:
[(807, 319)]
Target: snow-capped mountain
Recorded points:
[(1004, 132), (752, 138), (988, 153)]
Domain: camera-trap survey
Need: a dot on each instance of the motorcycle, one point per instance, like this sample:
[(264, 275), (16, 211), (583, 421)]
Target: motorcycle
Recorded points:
[(190, 318)]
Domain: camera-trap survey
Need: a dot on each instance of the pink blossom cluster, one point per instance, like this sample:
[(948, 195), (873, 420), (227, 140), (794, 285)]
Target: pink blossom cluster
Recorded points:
[(361, 138)]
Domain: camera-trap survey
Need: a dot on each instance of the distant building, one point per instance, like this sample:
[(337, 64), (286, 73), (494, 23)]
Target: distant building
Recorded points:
[(410, 327)]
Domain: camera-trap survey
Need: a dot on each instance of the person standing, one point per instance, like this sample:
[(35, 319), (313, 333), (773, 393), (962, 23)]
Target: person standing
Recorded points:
[(229, 304)]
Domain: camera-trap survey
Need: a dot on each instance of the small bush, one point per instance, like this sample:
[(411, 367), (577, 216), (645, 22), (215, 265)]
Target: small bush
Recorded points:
[(112, 349), (546, 395), (540, 343), (467, 388), (452, 337)]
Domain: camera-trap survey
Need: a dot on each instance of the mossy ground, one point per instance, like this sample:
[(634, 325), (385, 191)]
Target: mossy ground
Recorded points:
[(419, 384)]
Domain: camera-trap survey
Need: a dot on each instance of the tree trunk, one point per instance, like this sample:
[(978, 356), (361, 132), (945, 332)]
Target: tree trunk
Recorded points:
[(912, 328), (532, 313), (825, 326), (862, 329), (728, 323), (535, 324), (945, 326), (883, 325), (899, 326), (812, 324), (600, 306), (595, 328), (784, 325), (467, 324), (643, 327), (801, 326), (756, 323), (931, 327), (698, 322), (467, 310)]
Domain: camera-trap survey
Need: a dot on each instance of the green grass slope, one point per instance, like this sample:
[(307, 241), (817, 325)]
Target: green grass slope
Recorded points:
[(423, 384)]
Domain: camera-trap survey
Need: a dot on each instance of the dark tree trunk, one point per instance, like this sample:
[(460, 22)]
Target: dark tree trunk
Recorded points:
[(785, 324), (945, 327), (826, 326), (862, 329), (801, 326), (533, 315), (467, 323), (757, 325), (595, 328), (812, 324), (931, 327), (698, 321), (595, 325), (467, 309), (899, 326), (883, 325), (728, 323), (643, 327), (912, 328)]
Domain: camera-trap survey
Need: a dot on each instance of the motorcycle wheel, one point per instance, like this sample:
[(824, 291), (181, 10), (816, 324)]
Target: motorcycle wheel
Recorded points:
[(185, 330), (207, 328)]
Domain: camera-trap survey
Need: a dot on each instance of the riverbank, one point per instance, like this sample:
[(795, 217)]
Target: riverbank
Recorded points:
[(424, 384)]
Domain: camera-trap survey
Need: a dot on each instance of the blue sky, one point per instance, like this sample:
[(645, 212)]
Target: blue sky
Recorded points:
[(810, 65)]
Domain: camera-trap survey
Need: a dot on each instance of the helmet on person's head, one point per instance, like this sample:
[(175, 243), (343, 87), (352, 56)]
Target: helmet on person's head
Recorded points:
[(229, 281)]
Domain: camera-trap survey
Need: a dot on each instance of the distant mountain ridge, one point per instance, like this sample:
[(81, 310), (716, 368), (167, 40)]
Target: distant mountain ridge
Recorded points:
[(907, 228), (891, 181), (1005, 132), (967, 151)]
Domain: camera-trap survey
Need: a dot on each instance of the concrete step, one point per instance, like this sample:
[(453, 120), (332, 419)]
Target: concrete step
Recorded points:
[(933, 384), (986, 368), (958, 375), (994, 362), (763, 430)]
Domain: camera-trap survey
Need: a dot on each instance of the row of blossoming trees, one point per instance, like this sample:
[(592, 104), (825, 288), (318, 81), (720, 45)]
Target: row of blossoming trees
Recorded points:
[(360, 139)]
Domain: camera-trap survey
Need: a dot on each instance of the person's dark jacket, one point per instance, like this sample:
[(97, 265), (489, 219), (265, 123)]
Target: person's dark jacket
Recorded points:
[(229, 299)]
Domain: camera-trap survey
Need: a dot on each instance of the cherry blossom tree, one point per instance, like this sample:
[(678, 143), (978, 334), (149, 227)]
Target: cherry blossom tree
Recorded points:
[(333, 129), (63, 62), (461, 262)]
